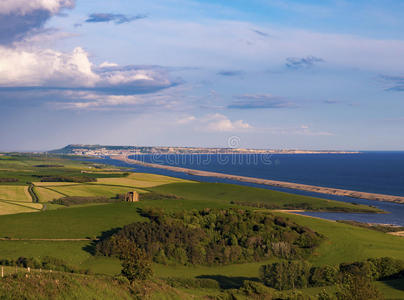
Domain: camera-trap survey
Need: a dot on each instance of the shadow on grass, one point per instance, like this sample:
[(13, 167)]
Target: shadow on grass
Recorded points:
[(91, 248), (397, 284), (228, 282)]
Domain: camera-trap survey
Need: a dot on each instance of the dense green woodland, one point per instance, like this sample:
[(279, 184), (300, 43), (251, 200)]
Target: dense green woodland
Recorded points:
[(213, 236)]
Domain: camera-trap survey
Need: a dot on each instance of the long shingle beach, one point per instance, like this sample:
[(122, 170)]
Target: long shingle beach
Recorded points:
[(282, 184)]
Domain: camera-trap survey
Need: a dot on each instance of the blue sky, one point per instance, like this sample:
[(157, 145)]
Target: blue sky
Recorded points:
[(276, 74)]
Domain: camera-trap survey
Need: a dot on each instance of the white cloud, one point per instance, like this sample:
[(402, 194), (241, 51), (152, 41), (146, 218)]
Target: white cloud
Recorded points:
[(214, 123), (46, 68), (186, 120), (221, 123), (24, 7), (22, 68), (88, 100), (107, 64), (165, 100)]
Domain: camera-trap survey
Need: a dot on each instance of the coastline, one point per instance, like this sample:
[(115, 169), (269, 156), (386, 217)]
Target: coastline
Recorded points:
[(275, 183)]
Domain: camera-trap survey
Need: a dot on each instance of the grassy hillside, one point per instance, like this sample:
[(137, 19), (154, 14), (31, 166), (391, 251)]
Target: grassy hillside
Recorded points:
[(226, 193), (348, 243), (56, 286), (76, 222), (343, 242)]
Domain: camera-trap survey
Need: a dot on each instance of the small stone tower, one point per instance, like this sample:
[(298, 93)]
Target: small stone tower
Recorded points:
[(132, 196)]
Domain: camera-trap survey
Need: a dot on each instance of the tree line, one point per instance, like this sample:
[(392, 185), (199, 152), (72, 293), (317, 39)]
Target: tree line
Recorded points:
[(287, 275)]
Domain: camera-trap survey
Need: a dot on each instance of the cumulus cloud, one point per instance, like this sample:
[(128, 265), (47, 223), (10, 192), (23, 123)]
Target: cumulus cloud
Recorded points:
[(50, 69), (186, 120), (221, 123), (23, 68), (19, 18), (214, 123), (258, 101), (116, 18), (302, 63), (24, 7), (107, 64)]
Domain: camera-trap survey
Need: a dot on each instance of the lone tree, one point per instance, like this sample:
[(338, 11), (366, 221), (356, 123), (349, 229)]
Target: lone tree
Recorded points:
[(136, 265)]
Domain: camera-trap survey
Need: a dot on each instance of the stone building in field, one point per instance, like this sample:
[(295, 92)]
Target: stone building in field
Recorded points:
[(132, 196)]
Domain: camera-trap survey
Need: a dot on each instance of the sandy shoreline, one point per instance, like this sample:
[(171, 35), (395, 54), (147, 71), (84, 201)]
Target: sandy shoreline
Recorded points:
[(282, 184)]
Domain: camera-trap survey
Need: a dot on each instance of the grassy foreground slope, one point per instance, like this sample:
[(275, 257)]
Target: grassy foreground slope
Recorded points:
[(57, 286)]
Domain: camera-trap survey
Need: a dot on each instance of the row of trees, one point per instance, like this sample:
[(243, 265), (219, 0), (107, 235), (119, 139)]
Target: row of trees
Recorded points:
[(76, 200), (5, 179), (287, 275), (212, 236), (298, 205), (77, 179)]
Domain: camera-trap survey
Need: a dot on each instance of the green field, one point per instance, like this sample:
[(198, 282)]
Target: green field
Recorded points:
[(16, 199), (225, 193), (141, 180), (17, 171), (350, 243), (90, 190), (29, 167), (75, 222), (14, 193), (46, 195)]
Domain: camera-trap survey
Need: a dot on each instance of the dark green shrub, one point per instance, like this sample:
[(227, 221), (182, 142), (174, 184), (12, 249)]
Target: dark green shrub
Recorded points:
[(356, 287), (324, 275), (193, 283), (286, 275)]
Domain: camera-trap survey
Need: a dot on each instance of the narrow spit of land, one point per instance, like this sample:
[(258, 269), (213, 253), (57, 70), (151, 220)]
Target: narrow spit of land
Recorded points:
[(282, 184)]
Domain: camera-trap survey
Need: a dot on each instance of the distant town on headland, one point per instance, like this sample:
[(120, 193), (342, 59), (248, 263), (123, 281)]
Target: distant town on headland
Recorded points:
[(103, 150)]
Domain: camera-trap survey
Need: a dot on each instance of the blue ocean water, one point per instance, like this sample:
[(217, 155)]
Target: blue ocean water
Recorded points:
[(375, 172)]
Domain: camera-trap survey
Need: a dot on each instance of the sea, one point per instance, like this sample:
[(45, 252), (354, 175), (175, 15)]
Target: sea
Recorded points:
[(373, 172)]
